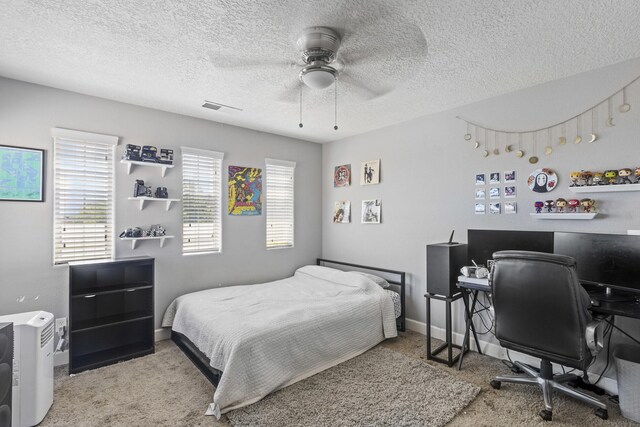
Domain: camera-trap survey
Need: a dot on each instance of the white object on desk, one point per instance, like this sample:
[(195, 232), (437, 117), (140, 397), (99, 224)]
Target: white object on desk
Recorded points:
[(484, 281)]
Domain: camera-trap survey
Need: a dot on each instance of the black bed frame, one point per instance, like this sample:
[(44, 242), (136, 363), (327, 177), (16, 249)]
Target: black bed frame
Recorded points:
[(203, 363)]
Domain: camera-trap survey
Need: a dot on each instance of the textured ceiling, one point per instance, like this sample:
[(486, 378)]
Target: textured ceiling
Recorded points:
[(403, 59)]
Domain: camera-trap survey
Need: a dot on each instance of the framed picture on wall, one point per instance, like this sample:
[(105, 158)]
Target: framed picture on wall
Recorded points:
[(480, 179), (494, 178), (342, 212), (494, 192), (480, 208), (494, 208), (21, 174), (342, 176), (371, 210), (370, 172), (510, 207), (510, 176), (510, 191), (480, 194)]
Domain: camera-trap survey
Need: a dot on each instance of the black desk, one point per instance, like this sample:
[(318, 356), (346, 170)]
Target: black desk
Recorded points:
[(472, 286)]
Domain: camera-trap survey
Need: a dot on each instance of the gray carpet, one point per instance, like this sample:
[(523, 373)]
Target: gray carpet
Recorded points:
[(378, 388), (165, 389)]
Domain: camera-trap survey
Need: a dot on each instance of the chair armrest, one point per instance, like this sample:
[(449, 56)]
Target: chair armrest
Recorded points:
[(595, 334)]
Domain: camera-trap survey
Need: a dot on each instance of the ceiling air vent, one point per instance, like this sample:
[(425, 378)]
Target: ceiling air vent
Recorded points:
[(216, 106)]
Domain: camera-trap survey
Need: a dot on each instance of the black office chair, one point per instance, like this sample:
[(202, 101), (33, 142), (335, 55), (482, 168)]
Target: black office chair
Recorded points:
[(541, 310)]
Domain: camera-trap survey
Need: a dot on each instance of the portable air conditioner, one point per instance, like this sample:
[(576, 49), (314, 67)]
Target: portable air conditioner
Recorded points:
[(32, 366)]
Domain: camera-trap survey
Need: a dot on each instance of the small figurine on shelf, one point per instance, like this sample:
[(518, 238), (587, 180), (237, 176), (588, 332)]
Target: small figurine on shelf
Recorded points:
[(611, 176), (588, 205), (538, 206), (549, 205), (576, 179), (560, 205), (625, 175), (573, 205), (597, 178), (587, 177), (637, 175)]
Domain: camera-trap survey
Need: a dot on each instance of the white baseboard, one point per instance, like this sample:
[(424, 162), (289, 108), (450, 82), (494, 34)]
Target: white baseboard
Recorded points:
[(61, 358), (498, 352), (162, 334)]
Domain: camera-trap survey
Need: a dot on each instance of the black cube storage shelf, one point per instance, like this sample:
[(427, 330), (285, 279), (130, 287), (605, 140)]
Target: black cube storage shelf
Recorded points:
[(111, 311)]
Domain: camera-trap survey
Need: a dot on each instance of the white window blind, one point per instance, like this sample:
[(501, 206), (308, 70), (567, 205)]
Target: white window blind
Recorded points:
[(83, 195), (279, 193), (201, 201)]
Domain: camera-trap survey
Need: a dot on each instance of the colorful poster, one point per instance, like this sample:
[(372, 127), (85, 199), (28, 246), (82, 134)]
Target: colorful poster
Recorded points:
[(245, 191), (342, 176)]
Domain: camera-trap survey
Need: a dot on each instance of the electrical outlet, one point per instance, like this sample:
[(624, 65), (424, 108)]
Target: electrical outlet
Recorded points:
[(61, 322)]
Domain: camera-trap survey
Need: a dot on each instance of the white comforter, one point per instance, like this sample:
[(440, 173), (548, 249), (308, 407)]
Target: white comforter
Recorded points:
[(265, 337)]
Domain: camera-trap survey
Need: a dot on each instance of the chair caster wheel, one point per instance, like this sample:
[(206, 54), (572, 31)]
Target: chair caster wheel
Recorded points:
[(546, 415), (602, 413), (495, 384)]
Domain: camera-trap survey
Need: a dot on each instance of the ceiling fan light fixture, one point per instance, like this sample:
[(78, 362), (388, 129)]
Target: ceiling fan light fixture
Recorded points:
[(318, 76)]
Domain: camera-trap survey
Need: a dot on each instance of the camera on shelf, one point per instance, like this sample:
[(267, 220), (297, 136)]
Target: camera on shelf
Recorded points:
[(132, 153), (132, 232), (149, 153), (166, 156), (161, 193), (140, 190), (156, 231)]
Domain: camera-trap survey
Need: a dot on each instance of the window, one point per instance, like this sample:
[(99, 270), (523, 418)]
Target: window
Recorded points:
[(279, 192), (83, 181), (201, 201)]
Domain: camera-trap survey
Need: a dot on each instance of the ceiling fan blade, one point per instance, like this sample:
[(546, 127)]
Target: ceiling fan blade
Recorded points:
[(230, 62), (362, 89)]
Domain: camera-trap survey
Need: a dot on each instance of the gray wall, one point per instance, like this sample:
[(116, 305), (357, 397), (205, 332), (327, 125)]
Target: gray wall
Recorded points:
[(427, 176), (27, 114)]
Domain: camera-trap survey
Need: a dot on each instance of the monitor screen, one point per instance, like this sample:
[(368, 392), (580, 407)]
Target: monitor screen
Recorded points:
[(483, 243), (604, 259)]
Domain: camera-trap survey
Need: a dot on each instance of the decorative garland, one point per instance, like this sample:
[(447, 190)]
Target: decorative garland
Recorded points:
[(559, 129)]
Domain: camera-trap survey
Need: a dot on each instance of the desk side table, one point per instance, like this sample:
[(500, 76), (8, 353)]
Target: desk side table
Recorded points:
[(448, 344)]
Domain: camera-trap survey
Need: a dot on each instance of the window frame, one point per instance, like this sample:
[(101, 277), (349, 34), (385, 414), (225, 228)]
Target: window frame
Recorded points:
[(88, 139), (218, 158), (269, 163)]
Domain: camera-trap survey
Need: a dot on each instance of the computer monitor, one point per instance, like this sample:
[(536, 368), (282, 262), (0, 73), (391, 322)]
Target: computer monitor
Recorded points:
[(611, 261), (483, 243)]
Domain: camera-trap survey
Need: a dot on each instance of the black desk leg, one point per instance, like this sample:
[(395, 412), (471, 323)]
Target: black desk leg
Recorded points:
[(469, 326)]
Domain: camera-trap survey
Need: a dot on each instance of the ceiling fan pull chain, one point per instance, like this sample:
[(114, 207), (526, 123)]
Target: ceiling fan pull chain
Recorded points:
[(300, 124), (335, 84)]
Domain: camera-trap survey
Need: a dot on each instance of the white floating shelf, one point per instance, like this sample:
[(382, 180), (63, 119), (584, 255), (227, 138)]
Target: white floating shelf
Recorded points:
[(134, 240), (143, 199), (130, 164), (605, 188), (565, 215)]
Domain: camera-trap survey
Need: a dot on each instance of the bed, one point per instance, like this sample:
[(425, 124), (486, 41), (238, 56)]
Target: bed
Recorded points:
[(251, 340)]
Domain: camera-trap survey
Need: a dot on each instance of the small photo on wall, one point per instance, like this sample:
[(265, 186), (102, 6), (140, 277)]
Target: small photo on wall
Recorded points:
[(480, 179), (494, 192), (370, 172), (510, 207), (342, 176), (371, 210), (480, 194), (510, 191), (342, 212), (494, 178), (509, 176), (494, 208), (480, 208)]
